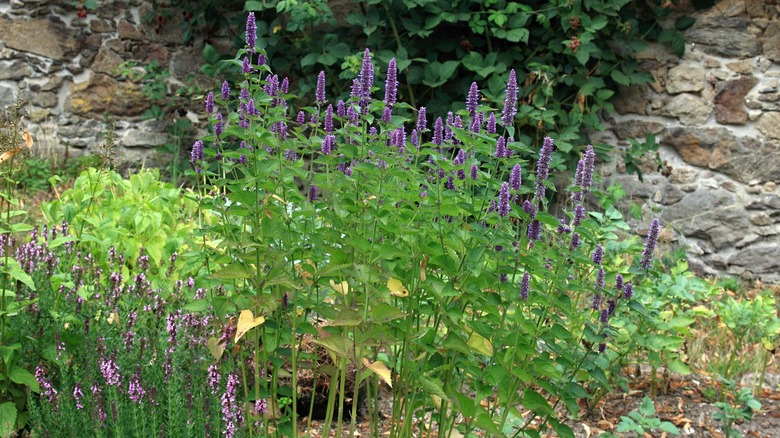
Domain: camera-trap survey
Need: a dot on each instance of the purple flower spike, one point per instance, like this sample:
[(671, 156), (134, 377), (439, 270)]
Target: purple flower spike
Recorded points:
[(525, 286), (491, 124), (510, 103), (414, 139), (503, 200), (320, 93), (301, 118), (579, 215), (472, 100), (604, 316), (246, 66), (515, 179), (197, 152), (251, 33), (341, 108), (501, 151), (225, 90), (575, 242), (600, 274), (598, 254), (438, 132), (543, 167), (460, 158), (391, 86), (421, 120), (473, 172), (328, 143), (650, 242), (210, 103), (535, 230), (328, 121), (619, 282), (587, 170), (366, 82), (312, 193), (628, 291), (218, 125)]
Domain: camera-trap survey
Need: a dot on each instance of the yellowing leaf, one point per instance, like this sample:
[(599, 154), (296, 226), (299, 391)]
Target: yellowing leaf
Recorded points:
[(481, 345), (423, 265), (342, 288), (216, 348), (113, 318), (381, 370), (28, 141), (246, 322), (397, 289)]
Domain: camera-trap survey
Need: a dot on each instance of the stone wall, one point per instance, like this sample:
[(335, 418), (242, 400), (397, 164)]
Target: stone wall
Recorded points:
[(66, 68), (716, 115)]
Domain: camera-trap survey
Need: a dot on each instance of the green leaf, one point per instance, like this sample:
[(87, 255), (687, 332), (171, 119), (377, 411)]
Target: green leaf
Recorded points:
[(537, 403), (253, 5), (598, 22), (431, 386), (384, 312), (234, 270), (7, 419), (340, 346), (197, 306), (210, 54), (679, 367), (518, 35), (620, 77), (347, 318), (23, 377), (684, 23)]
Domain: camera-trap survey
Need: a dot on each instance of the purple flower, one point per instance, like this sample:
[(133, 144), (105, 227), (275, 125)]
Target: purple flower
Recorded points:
[(476, 123), (602, 347), (197, 152), (261, 407), (472, 99), (450, 184), (391, 84), (525, 286), (501, 151), (543, 167), (231, 410), (328, 121), (225, 90), (510, 103), (421, 120), (320, 91), (491, 124), (650, 242), (78, 395), (529, 209), (595, 303), (589, 161), (535, 230), (460, 158), (611, 307), (448, 134), (327, 144), (312, 193), (285, 85), (473, 172), (598, 254), (503, 200), (619, 282), (218, 125), (437, 132), (600, 274), (414, 139), (515, 177), (366, 81), (424, 194), (135, 390), (341, 108), (628, 291), (244, 93), (579, 215), (110, 371), (246, 66), (604, 316), (575, 242), (301, 118), (47, 390), (213, 378), (251, 33), (210, 103), (261, 60)]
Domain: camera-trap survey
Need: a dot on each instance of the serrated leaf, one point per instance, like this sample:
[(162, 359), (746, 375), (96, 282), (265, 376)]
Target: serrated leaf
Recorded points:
[(197, 306), (679, 367), (620, 77), (347, 318), (246, 322), (234, 270), (432, 387), (338, 345), (397, 289), (537, 403), (381, 370)]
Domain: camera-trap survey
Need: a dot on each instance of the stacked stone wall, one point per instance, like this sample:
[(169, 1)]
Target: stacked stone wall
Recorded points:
[(716, 114), (68, 68)]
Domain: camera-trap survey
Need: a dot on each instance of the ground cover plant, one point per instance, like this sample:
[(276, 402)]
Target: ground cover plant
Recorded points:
[(324, 256)]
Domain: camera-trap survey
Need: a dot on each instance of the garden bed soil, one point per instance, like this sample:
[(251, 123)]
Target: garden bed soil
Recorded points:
[(684, 404)]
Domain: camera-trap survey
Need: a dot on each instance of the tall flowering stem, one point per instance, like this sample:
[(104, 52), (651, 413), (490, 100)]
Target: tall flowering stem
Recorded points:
[(650, 242)]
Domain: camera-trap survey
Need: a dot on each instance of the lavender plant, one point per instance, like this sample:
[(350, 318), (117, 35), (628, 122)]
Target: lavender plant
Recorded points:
[(421, 257)]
